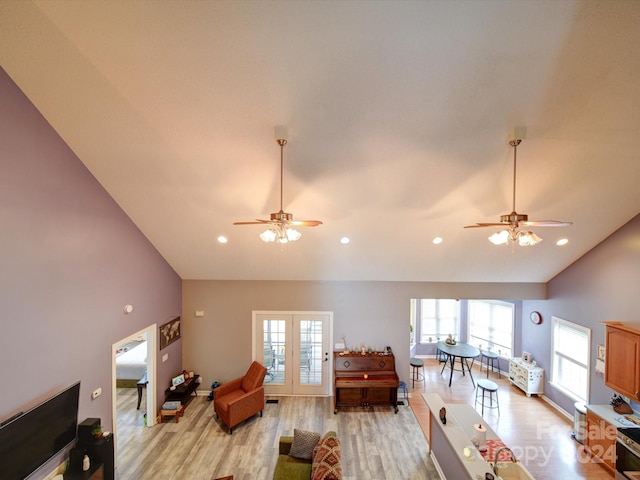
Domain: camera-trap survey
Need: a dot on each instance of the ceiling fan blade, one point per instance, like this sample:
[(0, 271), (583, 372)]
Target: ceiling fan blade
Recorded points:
[(306, 223), (479, 225), (257, 222), (546, 223)]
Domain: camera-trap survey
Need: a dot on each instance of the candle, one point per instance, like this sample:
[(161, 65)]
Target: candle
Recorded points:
[(366, 376)]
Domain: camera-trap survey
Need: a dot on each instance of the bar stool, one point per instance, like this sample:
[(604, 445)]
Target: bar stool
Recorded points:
[(484, 387), (404, 389), (490, 357), (417, 371)]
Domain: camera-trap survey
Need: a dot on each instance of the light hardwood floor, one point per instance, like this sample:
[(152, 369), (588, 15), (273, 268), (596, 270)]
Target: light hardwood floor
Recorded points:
[(376, 444)]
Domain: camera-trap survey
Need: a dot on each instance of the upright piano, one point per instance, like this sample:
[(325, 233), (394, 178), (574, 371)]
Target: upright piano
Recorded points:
[(365, 380)]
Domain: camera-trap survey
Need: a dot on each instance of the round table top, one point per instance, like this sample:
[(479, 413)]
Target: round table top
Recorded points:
[(463, 350), (488, 354)]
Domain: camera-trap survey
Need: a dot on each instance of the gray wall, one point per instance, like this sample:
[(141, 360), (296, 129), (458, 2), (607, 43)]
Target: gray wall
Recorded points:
[(71, 260), (600, 286), (218, 345)]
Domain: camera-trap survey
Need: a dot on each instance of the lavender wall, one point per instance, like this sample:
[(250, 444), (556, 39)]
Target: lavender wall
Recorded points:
[(71, 259), (600, 286)]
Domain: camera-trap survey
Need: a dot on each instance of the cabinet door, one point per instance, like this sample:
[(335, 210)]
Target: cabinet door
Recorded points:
[(621, 362), (601, 439)]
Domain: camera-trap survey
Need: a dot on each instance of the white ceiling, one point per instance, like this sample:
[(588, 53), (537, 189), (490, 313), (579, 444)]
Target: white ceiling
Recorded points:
[(399, 113)]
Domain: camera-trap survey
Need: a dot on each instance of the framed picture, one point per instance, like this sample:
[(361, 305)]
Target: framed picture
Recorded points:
[(179, 380), (527, 357), (169, 332), (601, 352)]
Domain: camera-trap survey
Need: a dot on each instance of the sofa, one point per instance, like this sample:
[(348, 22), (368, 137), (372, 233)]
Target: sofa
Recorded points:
[(308, 456), (239, 399)]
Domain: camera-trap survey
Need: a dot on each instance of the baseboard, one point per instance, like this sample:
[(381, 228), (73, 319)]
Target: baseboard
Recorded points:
[(436, 464), (557, 407)]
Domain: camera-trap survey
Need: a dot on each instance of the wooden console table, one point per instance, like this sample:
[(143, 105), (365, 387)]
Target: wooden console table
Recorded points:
[(183, 391)]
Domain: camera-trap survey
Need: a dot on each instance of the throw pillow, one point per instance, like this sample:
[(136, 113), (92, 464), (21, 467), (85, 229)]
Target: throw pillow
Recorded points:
[(326, 459), (303, 444)]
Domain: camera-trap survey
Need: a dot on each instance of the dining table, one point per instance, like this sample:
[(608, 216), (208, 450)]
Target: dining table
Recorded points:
[(460, 350)]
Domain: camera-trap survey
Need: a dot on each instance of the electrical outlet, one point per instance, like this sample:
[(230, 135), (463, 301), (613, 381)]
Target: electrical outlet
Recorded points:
[(165, 357), (96, 393)]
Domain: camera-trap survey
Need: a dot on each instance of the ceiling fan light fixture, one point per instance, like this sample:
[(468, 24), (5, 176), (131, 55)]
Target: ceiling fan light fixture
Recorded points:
[(524, 238), (279, 234), (500, 238), (268, 235), (528, 238), (292, 235)]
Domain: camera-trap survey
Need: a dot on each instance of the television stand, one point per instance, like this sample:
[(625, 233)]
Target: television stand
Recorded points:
[(100, 452)]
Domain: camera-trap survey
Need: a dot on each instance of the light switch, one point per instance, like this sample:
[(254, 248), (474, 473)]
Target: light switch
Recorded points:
[(199, 313), (165, 357)]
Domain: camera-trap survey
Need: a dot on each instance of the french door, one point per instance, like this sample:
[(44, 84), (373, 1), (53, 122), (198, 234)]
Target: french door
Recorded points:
[(295, 347)]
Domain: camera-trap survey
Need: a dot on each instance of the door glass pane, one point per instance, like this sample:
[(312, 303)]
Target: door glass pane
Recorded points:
[(310, 352), (274, 348)]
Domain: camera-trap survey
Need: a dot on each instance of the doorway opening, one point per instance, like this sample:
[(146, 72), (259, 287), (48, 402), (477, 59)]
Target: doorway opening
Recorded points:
[(133, 400)]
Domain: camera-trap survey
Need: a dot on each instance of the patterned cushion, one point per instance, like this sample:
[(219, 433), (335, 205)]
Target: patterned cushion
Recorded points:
[(303, 443), (326, 459)]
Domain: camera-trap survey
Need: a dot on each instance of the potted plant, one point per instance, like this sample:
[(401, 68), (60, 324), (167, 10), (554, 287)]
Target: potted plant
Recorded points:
[(97, 432)]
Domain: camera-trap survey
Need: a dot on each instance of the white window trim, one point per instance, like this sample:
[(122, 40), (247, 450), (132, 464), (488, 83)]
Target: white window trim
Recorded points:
[(552, 380), (513, 320)]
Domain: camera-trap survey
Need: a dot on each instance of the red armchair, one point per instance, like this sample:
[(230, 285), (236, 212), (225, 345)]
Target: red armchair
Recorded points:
[(239, 399)]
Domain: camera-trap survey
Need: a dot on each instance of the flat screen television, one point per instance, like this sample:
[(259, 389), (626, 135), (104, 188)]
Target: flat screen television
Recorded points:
[(33, 437)]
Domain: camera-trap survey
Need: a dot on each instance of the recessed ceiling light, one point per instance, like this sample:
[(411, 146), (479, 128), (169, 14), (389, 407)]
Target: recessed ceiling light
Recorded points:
[(222, 239), (437, 240), (562, 241), (345, 240)]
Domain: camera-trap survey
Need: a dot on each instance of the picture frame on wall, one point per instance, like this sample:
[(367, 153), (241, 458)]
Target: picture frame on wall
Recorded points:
[(601, 352), (169, 332)]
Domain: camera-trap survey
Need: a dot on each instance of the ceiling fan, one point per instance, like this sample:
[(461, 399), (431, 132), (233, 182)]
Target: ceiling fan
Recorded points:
[(514, 220), (280, 223)]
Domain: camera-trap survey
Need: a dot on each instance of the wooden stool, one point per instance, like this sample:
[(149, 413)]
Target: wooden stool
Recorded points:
[(483, 387), (416, 373), (490, 358), (171, 413)]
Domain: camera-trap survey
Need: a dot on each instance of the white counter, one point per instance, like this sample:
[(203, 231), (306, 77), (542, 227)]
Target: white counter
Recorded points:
[(607, 413)]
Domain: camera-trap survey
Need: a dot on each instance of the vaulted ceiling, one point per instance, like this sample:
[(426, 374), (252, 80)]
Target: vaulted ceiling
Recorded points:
[(398, 111)]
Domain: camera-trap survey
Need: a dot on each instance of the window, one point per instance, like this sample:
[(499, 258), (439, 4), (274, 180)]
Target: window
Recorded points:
[(491, 326), (570, 358), (438, 319)]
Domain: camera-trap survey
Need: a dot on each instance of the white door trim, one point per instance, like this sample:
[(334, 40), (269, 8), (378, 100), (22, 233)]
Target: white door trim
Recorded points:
[(151, 335), (329, 348)]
